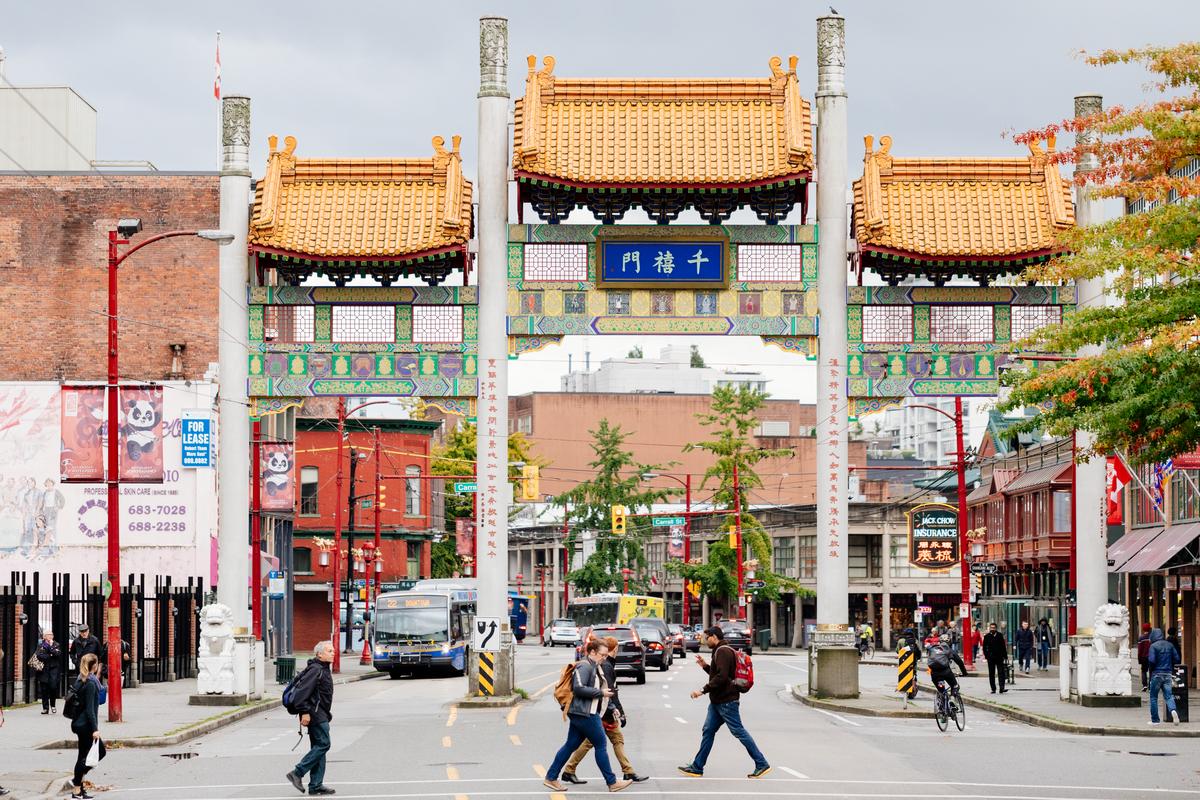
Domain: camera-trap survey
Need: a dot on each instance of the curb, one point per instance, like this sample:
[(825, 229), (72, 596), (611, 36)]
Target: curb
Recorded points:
[(200, 728), (1062, 726), (834, 705), (506, 701)]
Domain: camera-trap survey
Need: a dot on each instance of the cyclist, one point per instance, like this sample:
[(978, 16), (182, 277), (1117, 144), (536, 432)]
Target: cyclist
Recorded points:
[(941, 659), (865, 637)]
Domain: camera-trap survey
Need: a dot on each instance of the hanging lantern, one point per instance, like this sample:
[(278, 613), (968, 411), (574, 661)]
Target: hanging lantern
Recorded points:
[(324, 558), (378, 566)]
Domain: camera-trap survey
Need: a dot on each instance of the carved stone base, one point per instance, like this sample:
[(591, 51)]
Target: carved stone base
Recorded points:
[(1110, 701)]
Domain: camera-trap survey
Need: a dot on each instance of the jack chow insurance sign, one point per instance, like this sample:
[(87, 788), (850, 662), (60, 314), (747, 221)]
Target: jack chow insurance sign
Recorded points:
[(933, 536)]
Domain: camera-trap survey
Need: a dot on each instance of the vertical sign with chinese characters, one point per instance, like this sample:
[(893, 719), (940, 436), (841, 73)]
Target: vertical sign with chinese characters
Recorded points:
[(933, 536)]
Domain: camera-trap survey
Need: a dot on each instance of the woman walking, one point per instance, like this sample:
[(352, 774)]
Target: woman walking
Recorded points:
[(86, 724), (49, 655)]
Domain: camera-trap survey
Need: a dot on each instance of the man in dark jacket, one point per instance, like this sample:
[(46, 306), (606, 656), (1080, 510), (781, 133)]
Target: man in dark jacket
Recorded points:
[(613, 720), (316, 712), (724, 706), (995, 650), (1143, 644), (1044, 635), (1024, 646), (590, 695), (1161, 660), (83, 644)]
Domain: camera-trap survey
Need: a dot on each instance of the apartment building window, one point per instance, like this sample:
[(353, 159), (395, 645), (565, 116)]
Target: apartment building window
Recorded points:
[(1062, 512), (656, 554), (412, 491), (1185, 500), (808, 557), (308, 492), (899, 565), (1144, 510), (302, 560), (784, 556)]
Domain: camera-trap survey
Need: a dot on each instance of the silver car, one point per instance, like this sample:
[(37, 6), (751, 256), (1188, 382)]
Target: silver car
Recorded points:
[(560, 631)]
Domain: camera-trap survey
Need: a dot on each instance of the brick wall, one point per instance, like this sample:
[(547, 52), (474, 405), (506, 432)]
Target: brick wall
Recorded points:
[(53, 275), (312, 620)]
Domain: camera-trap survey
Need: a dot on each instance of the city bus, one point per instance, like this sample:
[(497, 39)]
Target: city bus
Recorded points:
[(610, 608), (518, 604), (422, 629)]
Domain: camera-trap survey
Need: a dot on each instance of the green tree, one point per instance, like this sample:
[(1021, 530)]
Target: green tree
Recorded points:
[(443, 558), (636, 352), (617, 480), (457, 457), (697, 359), (731, 419), (1139, 395)]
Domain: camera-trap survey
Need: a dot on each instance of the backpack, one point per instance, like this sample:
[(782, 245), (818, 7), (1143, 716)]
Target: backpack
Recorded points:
[(563, 690), (1144, 650), (743, 671), (299, 690), (939, 657), (71, 704)]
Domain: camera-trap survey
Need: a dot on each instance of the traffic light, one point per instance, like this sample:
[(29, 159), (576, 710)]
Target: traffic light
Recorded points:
[(382, 495), (618, 520), (733, 538), (529, 482)]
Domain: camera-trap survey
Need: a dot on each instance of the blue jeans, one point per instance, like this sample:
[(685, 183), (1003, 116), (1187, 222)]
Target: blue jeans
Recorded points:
[(1024, 654), (314, 760), (726, 714), (1043, 655), (582, 728), (1161, 681)]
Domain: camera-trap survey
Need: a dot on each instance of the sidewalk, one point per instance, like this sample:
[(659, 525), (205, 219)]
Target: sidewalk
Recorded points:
[(156, 715)]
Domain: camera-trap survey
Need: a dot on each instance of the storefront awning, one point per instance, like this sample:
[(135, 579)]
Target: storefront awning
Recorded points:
[(1129, 545), (1037, 478), (1162, 548)]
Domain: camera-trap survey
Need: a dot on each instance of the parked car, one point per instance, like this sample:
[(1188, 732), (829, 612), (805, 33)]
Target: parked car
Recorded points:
[(659, 652), (560, 631), (738, 635), (630, 657), (679, 639)]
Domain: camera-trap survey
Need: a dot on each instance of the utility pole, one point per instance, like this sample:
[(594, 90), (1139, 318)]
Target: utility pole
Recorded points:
[(353, 500), (337, 534), (737, 527), (378, 573)]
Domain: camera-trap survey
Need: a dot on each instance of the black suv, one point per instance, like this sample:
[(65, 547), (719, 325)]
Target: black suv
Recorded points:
[(737, 634), (630, 655), (657, 639)]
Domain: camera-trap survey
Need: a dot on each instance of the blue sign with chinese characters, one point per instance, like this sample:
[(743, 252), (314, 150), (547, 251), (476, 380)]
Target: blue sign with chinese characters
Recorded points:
[(682, 264)]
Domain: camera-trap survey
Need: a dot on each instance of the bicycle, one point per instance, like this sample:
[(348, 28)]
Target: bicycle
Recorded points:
[(866, 650), (949, 705)]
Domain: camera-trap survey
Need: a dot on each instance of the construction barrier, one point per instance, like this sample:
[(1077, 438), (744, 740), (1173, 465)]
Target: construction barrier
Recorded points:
[(487, 674), (906, 673)]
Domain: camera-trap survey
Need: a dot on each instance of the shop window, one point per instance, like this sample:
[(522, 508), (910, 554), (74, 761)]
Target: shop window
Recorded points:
[(1185, 500)]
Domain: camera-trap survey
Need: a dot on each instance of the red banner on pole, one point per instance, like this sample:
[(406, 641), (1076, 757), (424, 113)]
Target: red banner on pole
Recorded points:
[(141, 434), (464, 531), (81, 448), (278, 476)]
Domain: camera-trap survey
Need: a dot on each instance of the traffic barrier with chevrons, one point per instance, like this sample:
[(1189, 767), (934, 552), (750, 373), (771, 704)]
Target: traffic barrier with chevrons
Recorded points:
[(906, 678), (487, 674)]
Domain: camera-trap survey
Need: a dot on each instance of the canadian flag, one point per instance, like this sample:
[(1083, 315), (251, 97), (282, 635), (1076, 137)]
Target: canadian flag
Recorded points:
[(217, 74), (1117, 475)]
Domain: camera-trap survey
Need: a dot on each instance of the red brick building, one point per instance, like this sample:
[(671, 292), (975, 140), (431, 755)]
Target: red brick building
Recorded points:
[(410, 513), (54, 280)]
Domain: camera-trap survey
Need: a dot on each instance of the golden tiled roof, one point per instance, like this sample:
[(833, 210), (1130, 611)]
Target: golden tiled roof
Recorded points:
[(360, 207), (723, 132), (976, 208)]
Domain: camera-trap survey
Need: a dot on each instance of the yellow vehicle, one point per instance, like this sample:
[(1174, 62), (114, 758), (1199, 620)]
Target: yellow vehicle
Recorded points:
[(611, 608)]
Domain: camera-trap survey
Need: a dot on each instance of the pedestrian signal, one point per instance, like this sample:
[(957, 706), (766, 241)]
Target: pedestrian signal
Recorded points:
[(618, 520), (529, 482)]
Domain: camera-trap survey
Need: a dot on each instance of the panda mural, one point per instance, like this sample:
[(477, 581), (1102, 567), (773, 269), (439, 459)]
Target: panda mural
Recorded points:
[(278, 462), (141, 434)]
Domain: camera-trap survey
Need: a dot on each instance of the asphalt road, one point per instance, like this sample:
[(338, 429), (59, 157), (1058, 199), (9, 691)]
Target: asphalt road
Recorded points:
[(406, 739)]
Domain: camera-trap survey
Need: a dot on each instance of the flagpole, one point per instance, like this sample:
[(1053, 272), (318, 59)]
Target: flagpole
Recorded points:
[(217, 97)]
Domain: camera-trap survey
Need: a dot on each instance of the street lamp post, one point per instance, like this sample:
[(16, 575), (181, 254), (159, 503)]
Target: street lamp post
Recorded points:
[(541, 569), (625, 573), (963, 549), (126, 228)]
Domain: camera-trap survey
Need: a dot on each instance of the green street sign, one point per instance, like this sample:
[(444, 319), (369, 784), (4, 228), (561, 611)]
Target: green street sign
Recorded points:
[(466, 488), (669, 522), (365, 503)]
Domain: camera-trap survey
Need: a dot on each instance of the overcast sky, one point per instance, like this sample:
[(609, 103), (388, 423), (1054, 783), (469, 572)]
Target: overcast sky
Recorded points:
[(356, 79)]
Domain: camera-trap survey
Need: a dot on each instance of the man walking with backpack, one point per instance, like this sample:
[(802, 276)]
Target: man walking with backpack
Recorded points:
[(724, 694), (311, 696)]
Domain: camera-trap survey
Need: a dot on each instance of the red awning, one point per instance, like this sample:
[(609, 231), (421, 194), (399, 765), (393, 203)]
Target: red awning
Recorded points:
[(1162, 548), (1129, 545)]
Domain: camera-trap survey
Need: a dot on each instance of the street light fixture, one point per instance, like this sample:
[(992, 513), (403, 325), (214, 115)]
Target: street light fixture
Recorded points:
[(126, 227)]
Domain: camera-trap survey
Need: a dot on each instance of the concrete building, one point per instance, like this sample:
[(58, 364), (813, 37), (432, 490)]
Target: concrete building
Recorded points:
[(46, 129), (558, 425), (670, 373), (926, 435)]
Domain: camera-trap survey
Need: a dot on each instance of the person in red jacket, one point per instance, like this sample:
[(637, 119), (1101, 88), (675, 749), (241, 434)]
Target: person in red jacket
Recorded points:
[(1143, 655)]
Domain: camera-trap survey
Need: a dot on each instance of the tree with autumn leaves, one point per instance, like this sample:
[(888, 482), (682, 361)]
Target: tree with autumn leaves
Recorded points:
[(1139, 394)]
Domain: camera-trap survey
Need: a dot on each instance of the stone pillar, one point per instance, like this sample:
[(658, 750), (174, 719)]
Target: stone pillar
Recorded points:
[(885, 558), (1091, 525), (832, 420), (491, 192), (774, 612)]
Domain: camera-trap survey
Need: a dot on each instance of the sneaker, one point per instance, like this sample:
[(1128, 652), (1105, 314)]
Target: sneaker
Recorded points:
[(295, 780), (81, 795), (1153, 722), (691, 770), (761, 772), (619, 786), (320, 790), (633, 776), (570, 777), (555, 785)]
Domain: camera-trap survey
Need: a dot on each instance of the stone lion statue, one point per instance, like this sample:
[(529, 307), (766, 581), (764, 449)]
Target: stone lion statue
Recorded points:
[(1110, 646), (215, 656)]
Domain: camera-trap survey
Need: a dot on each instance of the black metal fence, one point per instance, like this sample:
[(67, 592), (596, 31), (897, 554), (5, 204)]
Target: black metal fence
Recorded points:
[(159, 627)]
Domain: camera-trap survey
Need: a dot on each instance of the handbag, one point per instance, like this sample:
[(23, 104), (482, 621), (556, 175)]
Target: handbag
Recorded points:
[(35, 663)]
